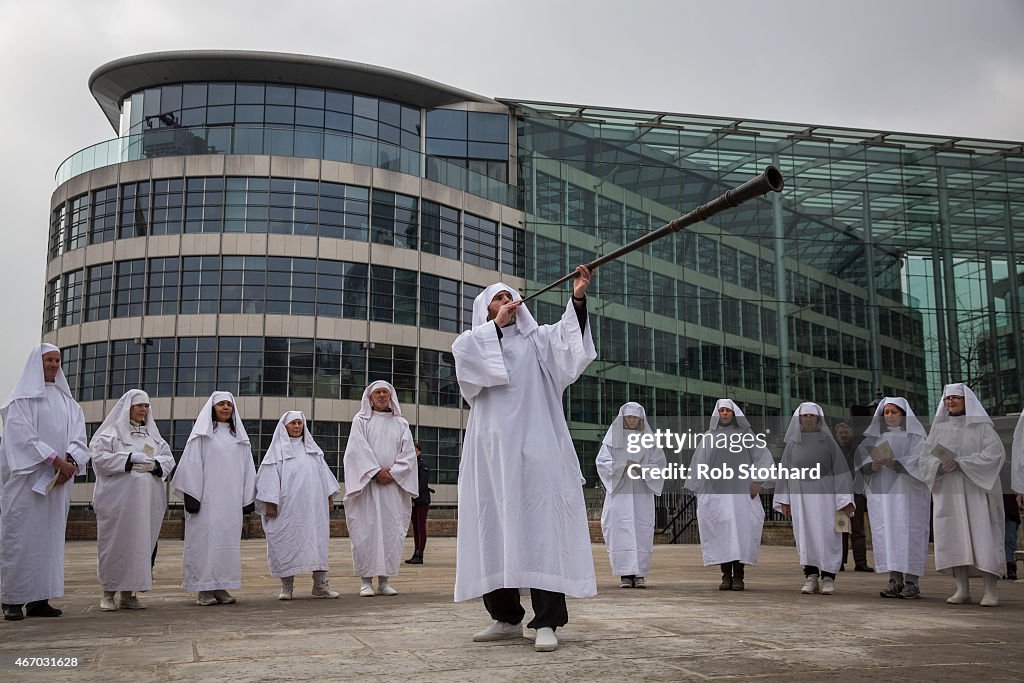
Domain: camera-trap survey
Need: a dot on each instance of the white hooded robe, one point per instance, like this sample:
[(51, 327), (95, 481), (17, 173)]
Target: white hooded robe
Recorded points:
[(294, 476), (378, 514), (129, 505), (627, 518), (522, 517), (39, 419)]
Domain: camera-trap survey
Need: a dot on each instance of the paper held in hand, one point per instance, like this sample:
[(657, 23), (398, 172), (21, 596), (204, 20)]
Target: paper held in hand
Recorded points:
[(943, 453), (45, 482), (842, 522), (882, 453), (149, 448)]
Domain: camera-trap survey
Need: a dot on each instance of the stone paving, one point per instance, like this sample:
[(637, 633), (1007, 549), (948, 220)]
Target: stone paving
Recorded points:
[(680, 629)]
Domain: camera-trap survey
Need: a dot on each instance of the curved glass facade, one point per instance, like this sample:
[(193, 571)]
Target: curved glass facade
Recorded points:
[(889, 263)]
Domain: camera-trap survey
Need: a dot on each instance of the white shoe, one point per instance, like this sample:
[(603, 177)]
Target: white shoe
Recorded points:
[(366, 591), (546, 640), (386, 589), (828, 585), (991, 597), (959, 598), (810, 585), (107, 603), (286, 593), (324, 591), (129, 601), (639, 582), (206, 599), (223, 597), (499, 630)]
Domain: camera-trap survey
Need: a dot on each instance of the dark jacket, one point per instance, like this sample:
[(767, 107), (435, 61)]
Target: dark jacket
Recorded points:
[(425, 490)]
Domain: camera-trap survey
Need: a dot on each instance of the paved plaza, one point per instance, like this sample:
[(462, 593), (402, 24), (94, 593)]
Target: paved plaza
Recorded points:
[(681, 628)]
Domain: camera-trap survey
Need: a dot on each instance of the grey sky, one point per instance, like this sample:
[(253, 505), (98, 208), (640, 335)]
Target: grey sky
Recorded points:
[(949, 67)]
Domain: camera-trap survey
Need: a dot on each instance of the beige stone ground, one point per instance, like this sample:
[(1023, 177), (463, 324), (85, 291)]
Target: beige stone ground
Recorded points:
[(681, 628)]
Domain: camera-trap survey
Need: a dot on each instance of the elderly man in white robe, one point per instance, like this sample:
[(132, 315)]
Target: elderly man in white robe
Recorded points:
[(522, 517), (381, 479), (43, 448), (292, 484), (899, 504), (730, 516), (131, 462), (815, 503), (627, 518), (216, 478), (963, 457)]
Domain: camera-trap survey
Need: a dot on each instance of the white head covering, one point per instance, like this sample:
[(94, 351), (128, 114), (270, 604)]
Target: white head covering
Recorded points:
[(366, 408), (525, 322), (912, 424), (741, 420), (281, 445), (204, 421), (972, 406), (615, 437), (31, 383), (794, 433), (117, 420)]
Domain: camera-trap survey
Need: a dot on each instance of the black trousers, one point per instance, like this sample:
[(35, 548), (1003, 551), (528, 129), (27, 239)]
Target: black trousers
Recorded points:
[(857, 538), (549, 608), (813, 571)]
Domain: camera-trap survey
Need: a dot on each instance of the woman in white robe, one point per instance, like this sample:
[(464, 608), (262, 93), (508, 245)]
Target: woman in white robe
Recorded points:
[(522, 516), (292, 484), (132, 462), (899, 504), (961, 467), (44, 446), (381, 479), (627, 518), (814, 503), (730, 516), (216, 478)]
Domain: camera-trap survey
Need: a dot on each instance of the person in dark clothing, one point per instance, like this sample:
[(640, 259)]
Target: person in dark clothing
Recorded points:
[(844, 437), (420, 507)]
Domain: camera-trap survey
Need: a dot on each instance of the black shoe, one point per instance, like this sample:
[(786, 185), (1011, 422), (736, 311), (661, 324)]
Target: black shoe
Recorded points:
[(1011, 571), (41, 608), (13, 613), (415, 559), (863, 568)]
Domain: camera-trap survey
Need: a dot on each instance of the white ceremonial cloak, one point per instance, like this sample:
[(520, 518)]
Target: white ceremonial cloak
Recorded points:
[(899, 505), (814, 503), (627, 518), (218, 472), (522, 517), (730, 522), (968, 516), (32, 525), (378, 514), (297, 538), (129, 510)]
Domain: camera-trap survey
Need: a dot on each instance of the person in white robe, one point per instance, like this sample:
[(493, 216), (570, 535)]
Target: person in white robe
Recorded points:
[(899, 504), (294, 495), (1016, 486), (381, 479), (131, 461), (216, 478), (44, 446), (1017, 454), (963, 457), (627, 518), (522, 518), (814, 502), (730, 516)]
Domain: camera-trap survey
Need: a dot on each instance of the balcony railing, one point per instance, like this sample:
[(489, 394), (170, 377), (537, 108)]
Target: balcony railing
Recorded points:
[(312, 144)]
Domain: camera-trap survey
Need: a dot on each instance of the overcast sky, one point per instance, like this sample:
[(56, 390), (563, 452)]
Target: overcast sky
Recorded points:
[(948, 67)]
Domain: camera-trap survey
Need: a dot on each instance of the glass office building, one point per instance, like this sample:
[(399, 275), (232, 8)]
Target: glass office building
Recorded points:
[(288, 228)]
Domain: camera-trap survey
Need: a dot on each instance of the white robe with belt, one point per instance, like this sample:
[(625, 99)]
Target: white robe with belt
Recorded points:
[(627, 518), (378, 514), (129, 509), (32, 525), (218, 472), (522, 517), (300, 486), (968, 515)]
